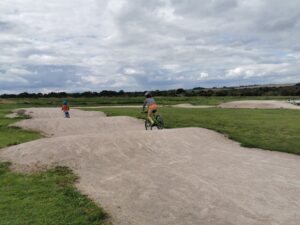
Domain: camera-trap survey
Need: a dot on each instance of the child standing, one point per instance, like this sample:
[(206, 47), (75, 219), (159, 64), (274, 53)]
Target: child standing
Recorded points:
[(65, 108)]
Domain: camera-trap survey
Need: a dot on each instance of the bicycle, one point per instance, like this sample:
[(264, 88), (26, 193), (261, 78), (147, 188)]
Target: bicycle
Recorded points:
[(158, 121)]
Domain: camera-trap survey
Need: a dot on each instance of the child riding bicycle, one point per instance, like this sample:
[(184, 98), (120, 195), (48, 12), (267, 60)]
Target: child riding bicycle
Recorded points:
[(151, 105), (66, 108)]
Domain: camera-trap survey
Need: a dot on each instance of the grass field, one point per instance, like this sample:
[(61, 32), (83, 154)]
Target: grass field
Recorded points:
[(12, 135), (95, 101), (50, 198), (272, 129), (45, 198), (42, 198)]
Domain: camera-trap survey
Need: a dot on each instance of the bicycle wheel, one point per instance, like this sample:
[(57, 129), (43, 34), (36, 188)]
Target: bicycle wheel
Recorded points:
[(159, 122), (148, 125)]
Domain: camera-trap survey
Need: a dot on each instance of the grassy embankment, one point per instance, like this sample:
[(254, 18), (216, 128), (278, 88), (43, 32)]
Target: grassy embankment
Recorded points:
[(272, 129), (41, 198)]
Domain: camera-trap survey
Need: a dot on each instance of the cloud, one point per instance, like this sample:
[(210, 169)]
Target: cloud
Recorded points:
[(132, 71), (76, 45), (262, 70), (42, 59)]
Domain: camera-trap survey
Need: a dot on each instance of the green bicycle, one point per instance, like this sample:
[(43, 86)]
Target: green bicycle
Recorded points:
[(158, 121)]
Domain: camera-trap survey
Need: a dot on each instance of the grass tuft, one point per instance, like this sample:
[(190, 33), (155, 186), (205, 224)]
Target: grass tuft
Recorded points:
[(10, 135), (4, 167)]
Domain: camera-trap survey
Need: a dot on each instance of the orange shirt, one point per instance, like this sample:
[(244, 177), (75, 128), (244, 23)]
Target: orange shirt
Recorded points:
[(65, 108)]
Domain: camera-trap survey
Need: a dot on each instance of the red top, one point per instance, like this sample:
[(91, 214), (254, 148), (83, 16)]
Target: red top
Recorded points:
[(65, 108)]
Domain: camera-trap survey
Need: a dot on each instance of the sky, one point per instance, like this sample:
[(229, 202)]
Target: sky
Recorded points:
[(135, 45)]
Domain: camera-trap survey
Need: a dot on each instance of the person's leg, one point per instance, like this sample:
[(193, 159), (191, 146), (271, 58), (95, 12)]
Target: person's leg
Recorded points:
[(66, 114), (150, 113)]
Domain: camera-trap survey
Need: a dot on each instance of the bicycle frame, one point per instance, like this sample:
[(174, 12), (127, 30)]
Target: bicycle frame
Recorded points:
[(153, 116), (158, 123)]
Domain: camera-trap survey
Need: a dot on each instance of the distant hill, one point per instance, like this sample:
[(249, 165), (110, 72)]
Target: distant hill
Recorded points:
[(266, 85), (289, 89)]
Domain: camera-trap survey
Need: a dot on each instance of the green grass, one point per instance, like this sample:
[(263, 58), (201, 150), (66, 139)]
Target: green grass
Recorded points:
[(13, 135), (272, 129), (50, 197), (200, 100), (95, 101), (45, 198)]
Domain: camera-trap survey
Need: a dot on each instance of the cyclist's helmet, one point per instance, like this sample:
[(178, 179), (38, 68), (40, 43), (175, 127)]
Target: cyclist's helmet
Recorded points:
[(148, 94)]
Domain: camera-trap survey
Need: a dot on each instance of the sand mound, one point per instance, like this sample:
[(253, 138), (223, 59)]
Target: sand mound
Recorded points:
[(259, 104), (51, 122), (73, 126), (12, 115), (108, 106), (187, 105), (45, 113), (180, 176)]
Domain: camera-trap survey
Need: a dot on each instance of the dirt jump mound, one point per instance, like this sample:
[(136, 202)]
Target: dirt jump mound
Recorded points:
[(50, 122), (184, 176), (259, 104)]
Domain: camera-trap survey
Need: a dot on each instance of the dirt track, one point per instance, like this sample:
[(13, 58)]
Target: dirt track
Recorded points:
[(185, 176), (192, 106), (259, 104), (247, 104)]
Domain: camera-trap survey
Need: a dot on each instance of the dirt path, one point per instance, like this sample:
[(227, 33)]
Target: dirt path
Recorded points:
[(185, 176), (259, 104), (50, 122), (250, 104), (187, 105), (108, 106)]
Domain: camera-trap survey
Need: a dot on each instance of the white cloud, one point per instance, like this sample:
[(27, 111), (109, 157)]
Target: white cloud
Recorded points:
[(203, 75), (13, 77), (92, 79), (171, 67), (260, 70), (132, 71), (17, 71), (139, 44), (42, 59)]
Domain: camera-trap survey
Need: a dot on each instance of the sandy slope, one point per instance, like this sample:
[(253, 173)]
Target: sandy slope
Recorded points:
[(259, 104), (108, 106), (251, 104), (182, 176), (187, 105), (51, 122)]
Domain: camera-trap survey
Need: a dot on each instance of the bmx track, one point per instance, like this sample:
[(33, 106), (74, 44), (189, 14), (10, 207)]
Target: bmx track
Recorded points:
[(246, 104), (259, 104), (189, 176)]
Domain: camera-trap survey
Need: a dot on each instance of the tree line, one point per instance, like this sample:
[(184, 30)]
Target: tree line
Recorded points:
[(198, 91)]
